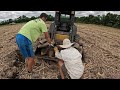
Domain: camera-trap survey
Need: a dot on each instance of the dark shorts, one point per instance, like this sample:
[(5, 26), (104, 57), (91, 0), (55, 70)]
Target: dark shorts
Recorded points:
[(65, 71), (25, 46)]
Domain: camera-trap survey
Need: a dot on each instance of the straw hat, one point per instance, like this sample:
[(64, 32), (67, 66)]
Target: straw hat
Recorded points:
[(66, 43)]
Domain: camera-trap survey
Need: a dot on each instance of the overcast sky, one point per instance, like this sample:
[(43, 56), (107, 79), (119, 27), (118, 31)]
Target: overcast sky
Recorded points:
[(5, 15)]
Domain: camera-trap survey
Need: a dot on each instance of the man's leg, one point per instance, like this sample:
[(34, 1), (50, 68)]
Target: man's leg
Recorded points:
[(28, 59), (26, 50), (63, 71), (31, 59), (60, 63), (20, 40), (30, 64)]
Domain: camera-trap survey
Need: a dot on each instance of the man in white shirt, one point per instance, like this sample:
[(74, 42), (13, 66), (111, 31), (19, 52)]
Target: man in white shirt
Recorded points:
[(70, 63)]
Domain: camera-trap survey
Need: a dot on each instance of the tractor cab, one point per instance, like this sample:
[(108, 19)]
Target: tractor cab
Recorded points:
[(63, 20), (63, 26)]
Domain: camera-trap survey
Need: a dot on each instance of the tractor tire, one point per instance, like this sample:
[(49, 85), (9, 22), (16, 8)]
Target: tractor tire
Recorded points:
[(79, 47), (82, 53), (77, 38), (51, 30), (83, 56)]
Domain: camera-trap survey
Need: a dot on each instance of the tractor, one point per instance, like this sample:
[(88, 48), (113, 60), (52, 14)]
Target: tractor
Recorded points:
[(62, 27)]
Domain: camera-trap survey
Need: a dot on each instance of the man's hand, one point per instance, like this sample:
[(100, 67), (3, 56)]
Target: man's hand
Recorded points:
[(56, 49), (51, 45), (52, 42)]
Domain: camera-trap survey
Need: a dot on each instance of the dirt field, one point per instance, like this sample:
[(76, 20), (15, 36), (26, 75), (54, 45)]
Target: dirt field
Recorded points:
[(101, 47)]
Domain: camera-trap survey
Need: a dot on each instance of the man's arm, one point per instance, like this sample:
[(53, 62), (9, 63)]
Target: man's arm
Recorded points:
[(57, 53), (47, 37), (45, 31)]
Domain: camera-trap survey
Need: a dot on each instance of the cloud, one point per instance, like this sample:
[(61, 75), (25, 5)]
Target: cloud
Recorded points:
[(5, 15), (86, 13)]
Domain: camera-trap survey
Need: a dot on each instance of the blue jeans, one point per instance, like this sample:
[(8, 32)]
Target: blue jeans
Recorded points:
[(25, 46)]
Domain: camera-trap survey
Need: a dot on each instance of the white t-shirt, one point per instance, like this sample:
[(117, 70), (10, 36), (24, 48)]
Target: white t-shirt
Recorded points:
[(73, 62)]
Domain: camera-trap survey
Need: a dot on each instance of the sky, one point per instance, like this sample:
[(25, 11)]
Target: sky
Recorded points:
[(5, 15)]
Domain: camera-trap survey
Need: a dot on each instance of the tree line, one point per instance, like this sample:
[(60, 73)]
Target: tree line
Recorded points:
[(112, 20)]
